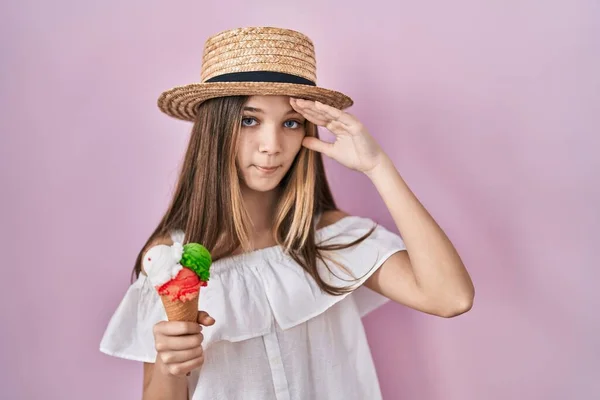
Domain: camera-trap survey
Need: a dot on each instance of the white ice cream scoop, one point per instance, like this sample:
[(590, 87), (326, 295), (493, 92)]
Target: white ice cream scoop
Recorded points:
[(162, 262)]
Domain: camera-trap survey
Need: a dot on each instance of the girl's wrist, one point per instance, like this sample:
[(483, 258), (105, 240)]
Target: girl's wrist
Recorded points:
[(382, 168)]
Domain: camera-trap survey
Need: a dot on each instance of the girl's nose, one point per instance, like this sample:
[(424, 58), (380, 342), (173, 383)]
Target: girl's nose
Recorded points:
[(270, 140)]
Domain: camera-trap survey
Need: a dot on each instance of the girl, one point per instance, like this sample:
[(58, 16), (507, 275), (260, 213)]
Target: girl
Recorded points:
[(291, 274)]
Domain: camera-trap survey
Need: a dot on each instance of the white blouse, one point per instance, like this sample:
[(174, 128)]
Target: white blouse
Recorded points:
[(277, 336)]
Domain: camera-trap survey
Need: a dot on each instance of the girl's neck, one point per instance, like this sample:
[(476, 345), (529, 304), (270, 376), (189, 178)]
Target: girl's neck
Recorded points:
[(260, 207)]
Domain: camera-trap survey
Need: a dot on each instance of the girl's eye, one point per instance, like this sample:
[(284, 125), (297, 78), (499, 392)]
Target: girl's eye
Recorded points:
[(251, 121), (247, 121), (297, 124)]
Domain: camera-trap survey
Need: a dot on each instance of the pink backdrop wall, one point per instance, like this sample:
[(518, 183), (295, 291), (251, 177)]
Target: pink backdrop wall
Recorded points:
[(489, 109)]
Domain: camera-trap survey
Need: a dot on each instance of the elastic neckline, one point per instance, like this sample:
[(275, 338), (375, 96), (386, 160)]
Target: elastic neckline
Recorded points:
[(276, 252)]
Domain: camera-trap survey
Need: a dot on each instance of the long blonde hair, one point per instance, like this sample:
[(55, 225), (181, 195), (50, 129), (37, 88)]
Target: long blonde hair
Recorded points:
[(207, 201)]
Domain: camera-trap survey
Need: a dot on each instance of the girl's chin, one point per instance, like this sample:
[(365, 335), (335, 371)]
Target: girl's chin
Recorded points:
[(260, 184), (261, 187)]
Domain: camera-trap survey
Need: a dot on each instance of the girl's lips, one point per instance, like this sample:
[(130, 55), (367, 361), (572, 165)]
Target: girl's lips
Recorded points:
[(266, 170)]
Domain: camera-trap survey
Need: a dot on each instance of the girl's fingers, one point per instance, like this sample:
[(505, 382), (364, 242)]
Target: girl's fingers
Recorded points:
[(205, 319), (186, 367), (315, 144), (175, 343), (313, 117), (312, 114), (337, 128), (315, 107), (335, 114), (176, 328), (181, 356)]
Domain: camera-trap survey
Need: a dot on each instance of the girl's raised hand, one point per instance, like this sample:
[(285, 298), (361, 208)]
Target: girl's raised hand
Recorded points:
[(353, 147)]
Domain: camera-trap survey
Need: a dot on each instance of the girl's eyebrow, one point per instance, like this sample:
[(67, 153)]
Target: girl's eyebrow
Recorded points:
[(259, 111)]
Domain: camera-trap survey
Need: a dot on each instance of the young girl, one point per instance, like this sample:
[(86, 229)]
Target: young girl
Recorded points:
[(292, 275)]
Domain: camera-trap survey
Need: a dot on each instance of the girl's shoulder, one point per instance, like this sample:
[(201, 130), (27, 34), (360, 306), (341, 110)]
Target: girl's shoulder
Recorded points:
[(331, 217)]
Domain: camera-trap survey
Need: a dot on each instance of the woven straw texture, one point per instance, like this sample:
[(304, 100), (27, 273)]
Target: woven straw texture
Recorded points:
[(251, 49)]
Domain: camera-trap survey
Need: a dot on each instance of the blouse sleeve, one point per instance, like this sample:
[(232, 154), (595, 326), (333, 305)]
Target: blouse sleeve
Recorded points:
[(295, 297), (354, 265), (129, 332)]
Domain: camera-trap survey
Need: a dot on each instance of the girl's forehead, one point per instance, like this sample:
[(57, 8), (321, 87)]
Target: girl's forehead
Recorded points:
[(268, 101), (275, 105)]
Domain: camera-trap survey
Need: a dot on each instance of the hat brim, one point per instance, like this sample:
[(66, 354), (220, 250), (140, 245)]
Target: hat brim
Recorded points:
[(182, 101)]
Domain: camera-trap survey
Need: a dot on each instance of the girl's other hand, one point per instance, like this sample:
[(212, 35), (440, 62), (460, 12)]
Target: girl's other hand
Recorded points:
[(179, 345)]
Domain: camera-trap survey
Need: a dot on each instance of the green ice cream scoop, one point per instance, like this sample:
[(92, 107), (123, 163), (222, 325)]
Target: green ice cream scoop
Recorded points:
[(197, 258)]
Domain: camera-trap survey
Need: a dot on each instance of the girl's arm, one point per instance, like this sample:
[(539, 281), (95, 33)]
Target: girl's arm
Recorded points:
[(430, 276), (179, 351), (159, 385)]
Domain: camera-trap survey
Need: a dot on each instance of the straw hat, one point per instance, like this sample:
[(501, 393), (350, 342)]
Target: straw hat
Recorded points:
[(252, 61)]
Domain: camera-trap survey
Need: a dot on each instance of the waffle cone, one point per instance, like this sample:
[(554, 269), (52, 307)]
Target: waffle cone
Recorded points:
[(179, 310)]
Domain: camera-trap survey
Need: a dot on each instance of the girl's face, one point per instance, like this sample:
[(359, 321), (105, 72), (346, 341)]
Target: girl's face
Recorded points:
[(270, 137)]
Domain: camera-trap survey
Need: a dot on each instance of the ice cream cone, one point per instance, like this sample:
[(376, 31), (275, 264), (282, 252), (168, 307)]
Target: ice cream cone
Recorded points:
[(181, 310)]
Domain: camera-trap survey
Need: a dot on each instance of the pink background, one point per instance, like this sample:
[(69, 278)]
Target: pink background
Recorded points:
[(489, 109)]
